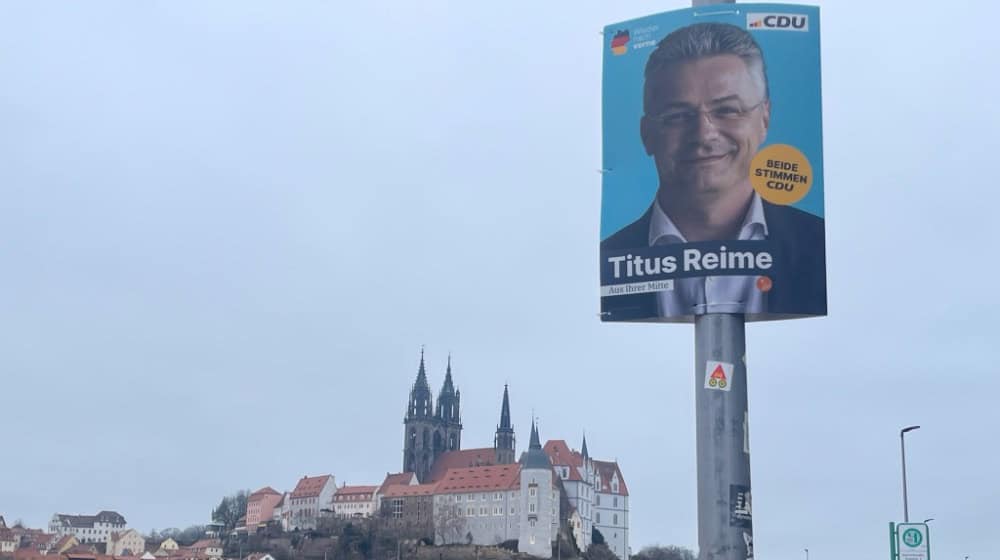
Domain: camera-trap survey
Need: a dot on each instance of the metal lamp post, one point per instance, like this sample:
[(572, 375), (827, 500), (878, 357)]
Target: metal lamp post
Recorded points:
[(807, 554), (902, 452)]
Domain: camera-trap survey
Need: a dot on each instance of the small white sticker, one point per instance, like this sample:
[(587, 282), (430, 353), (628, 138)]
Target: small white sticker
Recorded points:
[(746, 432), (718, 376)]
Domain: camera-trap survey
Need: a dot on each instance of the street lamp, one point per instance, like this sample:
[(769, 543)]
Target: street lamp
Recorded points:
[(807, 554), (902, 452)]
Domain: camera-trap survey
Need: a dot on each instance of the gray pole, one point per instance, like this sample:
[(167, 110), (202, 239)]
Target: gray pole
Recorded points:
[(902, 453), (725, 525)]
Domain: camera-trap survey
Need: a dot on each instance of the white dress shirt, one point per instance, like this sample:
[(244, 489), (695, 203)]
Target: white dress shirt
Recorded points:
[(710, 294)]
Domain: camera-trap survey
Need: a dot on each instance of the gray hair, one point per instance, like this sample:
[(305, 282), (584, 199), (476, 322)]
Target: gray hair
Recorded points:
[(706, 39)]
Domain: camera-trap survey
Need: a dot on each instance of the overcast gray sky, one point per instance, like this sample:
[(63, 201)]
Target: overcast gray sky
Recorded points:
[(226, 229)]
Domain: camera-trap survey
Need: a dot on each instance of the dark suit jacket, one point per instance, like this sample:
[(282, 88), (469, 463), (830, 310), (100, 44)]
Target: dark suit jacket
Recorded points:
[(799, 285)]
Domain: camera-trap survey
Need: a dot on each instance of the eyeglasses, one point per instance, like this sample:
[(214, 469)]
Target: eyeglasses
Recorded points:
[(726, 114)]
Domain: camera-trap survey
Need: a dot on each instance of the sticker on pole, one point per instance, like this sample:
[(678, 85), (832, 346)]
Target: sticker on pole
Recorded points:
[(740, 511), (718, 376)]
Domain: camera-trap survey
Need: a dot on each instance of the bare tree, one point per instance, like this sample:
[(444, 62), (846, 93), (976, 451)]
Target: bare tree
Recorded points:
[(664, 553), (448, 523)]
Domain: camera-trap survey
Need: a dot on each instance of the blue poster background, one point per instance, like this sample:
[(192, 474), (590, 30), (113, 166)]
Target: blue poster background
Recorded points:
[(793, 69)]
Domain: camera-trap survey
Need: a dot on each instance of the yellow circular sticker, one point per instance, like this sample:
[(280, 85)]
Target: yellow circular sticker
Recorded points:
[(781, 174)]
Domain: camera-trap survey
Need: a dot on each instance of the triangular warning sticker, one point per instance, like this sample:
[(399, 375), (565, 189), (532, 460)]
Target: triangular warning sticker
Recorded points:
[(718, 376)]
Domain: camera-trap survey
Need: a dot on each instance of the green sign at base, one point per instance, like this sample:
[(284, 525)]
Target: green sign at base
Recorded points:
[(909, 541)]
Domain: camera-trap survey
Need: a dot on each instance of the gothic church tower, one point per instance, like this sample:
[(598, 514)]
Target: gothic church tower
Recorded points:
[(429, 432), (503, 442), (419, 426)]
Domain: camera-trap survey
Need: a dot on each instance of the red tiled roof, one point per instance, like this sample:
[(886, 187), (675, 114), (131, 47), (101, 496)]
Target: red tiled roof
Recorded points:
[(607, 470), (561, 454), (7, 534), (63, 541), (31, 554), (476, 479), (394, 479), (310, 486), (401, 490), (263, 493), (464, 458), (354, 490), (206, 543)]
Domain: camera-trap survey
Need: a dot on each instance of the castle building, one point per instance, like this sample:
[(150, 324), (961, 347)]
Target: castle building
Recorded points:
[(486, 496)]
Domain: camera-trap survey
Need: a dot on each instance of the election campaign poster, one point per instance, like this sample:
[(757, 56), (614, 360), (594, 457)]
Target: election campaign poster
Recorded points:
[(712, 179)]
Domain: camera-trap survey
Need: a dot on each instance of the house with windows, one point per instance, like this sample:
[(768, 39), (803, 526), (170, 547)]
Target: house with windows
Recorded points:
[(597, 491), (611, 507), (406, 511), (260, 507), (125, 543), (88, 529), (354, 501), (8, 541), (311, 494)]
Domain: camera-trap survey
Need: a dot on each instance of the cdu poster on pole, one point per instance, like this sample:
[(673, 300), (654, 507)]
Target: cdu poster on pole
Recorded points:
[(712, 190)]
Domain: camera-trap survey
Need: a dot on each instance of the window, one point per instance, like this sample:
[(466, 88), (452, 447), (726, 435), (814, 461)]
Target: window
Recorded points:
[(531, 508), (597, 518), (397, 508), (597, 500), (532, 491), (615, 519), (484, 496), (615, 501)]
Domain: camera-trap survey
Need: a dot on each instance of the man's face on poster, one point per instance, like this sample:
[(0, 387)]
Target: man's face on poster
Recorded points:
[(704, 120)]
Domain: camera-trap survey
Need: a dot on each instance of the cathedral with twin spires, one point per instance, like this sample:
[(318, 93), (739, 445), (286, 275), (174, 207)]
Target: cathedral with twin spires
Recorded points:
[(488, 496), (433, 434)]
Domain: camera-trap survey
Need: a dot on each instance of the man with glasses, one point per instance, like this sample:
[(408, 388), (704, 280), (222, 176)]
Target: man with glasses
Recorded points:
[(706, 111)]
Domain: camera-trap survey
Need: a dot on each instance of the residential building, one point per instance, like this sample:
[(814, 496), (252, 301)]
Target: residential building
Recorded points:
[(35, 539), (8, 541), (65, 543), (576, 472), (87, 528), (311, 495), (260, 507), (354, 501), (167, 547), (283, 512), (206, 548), (125, 543), (611, 507), (407, 511), (397, 479)]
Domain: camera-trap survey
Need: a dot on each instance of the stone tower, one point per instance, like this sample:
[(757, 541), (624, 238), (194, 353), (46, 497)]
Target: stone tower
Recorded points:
[(448, 432), (503, 442), (420, 426), (539, 516)]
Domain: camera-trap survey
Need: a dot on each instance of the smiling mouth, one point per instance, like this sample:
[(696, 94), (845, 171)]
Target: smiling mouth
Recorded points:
[(704, 160)]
